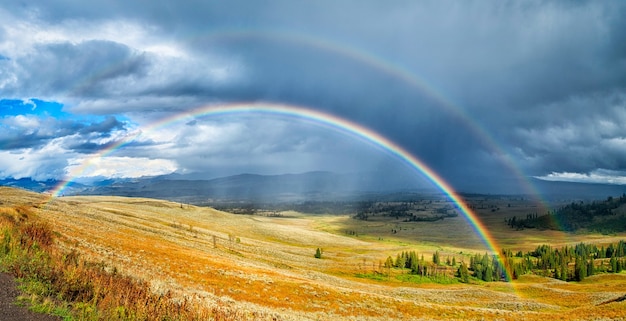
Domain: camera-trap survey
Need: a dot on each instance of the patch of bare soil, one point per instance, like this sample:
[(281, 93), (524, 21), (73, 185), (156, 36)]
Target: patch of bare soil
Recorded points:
[(9, 310)]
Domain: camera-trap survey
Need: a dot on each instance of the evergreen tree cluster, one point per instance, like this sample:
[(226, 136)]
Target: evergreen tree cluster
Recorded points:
[(417, 265), (411, 211), (601, 216), (487, 267), (409, 260), (532, 220), (569, 263)]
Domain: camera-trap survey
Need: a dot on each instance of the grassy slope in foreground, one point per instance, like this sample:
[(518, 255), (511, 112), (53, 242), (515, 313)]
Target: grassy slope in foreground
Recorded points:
[(260, 266)]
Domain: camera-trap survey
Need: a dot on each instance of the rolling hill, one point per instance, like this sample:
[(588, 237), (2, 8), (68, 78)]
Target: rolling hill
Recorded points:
[(259, 267)]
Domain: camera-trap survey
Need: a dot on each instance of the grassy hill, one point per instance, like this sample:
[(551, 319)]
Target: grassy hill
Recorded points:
[(232, 267)]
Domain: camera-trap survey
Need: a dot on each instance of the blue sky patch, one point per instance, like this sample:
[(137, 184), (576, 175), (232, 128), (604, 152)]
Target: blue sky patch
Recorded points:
[(53, 109), (14, 107)]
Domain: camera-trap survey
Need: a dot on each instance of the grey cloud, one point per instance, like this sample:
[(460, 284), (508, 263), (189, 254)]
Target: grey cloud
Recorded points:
[(86, 147), (11, 142), (576, 135), (18, 136), (87, 69), (15, 136), (258, 143), (104, 127)]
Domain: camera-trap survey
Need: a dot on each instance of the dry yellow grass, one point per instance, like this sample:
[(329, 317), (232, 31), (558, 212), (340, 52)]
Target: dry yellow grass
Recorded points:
[(265, 264)]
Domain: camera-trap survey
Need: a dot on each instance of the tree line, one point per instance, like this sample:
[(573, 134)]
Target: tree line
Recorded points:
[(568, 263), (600, 216), (418, 265), (408, 211)]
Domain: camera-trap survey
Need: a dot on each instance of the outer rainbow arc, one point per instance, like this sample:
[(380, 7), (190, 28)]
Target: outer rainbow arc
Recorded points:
[(317, 117), (395, 70), (387, 66)]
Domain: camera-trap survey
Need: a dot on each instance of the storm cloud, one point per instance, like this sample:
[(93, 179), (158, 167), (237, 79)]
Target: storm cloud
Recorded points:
[(460, 84)]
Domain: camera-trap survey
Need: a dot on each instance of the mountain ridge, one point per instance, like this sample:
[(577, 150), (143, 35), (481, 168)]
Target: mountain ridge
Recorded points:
[(314, 185)]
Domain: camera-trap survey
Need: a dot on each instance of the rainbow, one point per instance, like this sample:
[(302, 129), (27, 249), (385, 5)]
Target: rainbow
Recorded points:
[(316, 117), (392, 69)]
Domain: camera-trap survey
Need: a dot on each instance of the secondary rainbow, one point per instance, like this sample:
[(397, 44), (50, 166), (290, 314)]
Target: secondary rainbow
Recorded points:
[(313, 116), (389, 67)]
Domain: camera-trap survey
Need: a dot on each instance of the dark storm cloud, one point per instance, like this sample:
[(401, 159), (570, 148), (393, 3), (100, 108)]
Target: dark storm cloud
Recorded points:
[(544, 80), (32, 132), (495, 61), (87, 69), (21, 132), (571, 138), (9, 142), (104, 127)]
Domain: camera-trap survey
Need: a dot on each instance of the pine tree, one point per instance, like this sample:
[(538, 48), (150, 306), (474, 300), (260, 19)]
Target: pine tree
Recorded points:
[(488, 273), (478, 272), (318, 253), (436, 257), (389, 262), (590, 267), (563, 273), (463, 273), (613, 263), (580, 269), (414, 264), (400, 261)]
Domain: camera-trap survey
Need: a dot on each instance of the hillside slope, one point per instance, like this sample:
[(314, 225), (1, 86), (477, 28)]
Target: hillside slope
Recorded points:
[(265, 265)]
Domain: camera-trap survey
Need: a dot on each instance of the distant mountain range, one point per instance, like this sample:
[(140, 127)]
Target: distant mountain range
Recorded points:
[(572, 190), (267, 188), (243, 187), (29, 184), (309, 186)]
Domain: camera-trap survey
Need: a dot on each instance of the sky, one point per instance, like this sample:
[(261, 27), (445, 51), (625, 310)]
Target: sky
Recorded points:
[(483, 92)]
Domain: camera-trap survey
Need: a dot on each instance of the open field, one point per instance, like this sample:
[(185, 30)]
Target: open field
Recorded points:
[(265, 266)]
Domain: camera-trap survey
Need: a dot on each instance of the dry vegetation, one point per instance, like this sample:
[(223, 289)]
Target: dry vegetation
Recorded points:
[(151, 258)]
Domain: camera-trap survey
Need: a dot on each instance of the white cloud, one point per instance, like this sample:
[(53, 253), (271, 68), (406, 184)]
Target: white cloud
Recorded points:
[(38, 164), (600, 176), (27, 123), (118, 167), (20, 34)]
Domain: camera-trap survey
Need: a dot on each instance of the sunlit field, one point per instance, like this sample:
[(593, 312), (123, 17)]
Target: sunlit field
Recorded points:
[(257, 267)]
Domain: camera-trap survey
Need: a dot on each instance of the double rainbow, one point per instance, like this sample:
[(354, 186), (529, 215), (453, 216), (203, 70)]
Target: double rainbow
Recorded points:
[(308, 115)]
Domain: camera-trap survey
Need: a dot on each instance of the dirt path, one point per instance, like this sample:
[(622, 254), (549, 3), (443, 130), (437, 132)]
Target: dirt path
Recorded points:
[(11, 312)]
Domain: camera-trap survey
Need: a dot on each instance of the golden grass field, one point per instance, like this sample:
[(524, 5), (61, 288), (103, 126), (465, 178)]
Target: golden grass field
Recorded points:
[(264, 267)]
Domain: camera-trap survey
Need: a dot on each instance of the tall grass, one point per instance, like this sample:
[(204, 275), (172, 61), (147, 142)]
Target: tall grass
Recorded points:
[(60, 280)]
